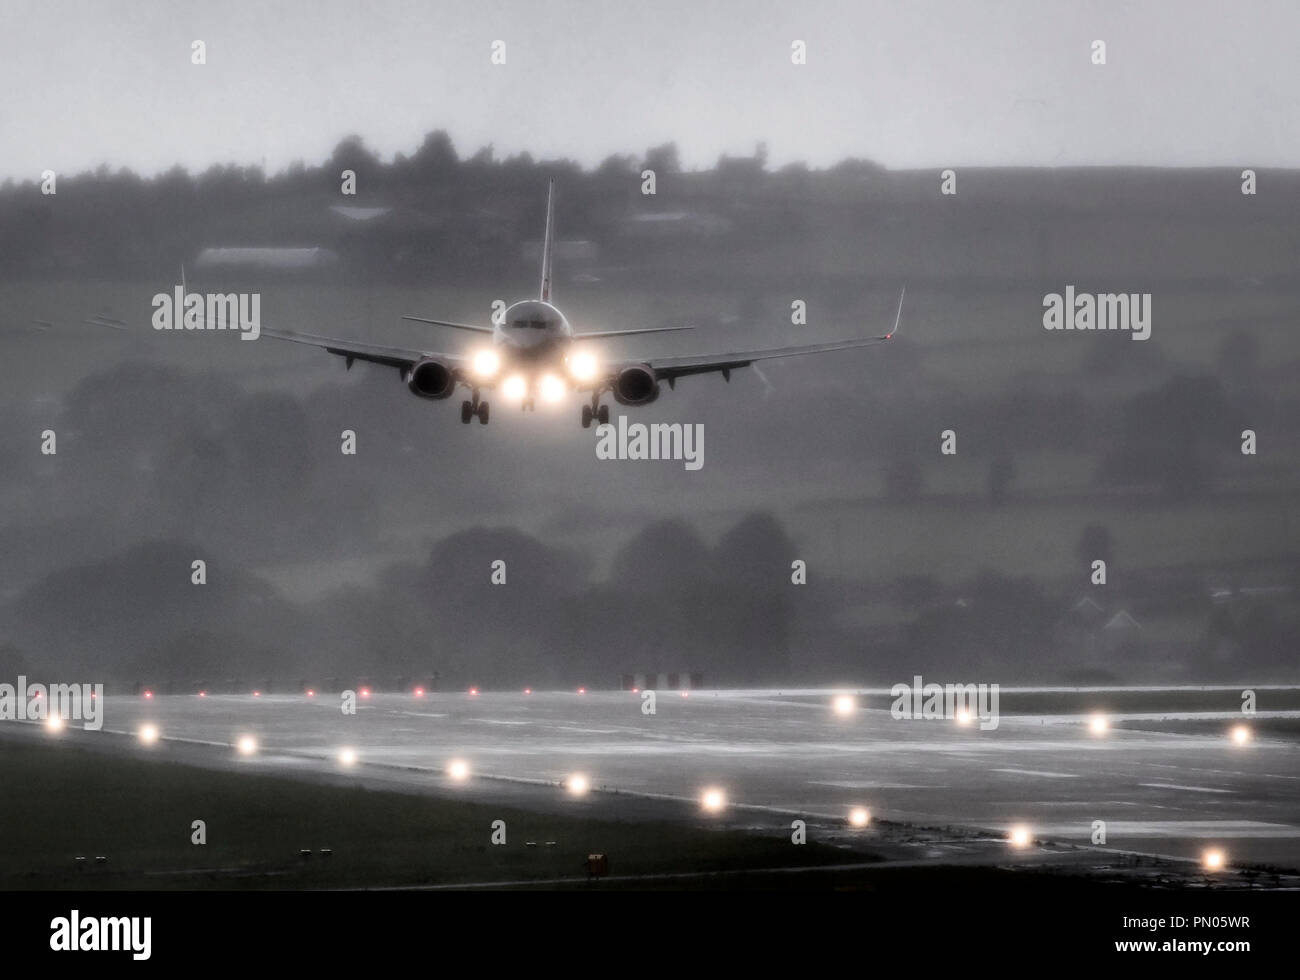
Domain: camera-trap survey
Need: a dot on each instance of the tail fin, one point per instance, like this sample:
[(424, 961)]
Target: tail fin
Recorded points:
[(548, 244)]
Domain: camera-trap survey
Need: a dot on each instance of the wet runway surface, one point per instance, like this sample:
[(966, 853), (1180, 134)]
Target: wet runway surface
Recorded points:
[(775, 756)]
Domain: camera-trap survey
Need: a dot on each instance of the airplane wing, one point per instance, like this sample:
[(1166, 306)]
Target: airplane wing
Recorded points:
[(447, 323), (671, 368), (352, 350), (625, 333)]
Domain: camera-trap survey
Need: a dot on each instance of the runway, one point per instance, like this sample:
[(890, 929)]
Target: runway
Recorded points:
[(776, 756)]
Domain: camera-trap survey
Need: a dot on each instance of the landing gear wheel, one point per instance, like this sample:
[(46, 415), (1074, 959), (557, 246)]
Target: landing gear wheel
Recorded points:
[(483, 413), (586, 416), (466, 411), (603, 415)]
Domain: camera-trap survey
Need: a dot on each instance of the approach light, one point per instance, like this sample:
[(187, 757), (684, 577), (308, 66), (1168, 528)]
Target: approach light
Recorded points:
[(583, 366), (486, 364), (551, 388), (148, 734), (859, 816), (515, 387), (458, 770)]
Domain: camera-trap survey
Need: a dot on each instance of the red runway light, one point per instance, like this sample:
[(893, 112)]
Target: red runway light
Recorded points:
[(473, 692), (203, 694), (419, 692), (311, 694), (365, 692), (148, 694), (257, 694), (528, 690), (582, 690)]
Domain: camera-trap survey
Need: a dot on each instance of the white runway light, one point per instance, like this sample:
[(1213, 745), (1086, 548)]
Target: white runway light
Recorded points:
[(713, 800), (577, 784), (148, 734), (247, 745), (859, 816), (458, 770), (844, 705)]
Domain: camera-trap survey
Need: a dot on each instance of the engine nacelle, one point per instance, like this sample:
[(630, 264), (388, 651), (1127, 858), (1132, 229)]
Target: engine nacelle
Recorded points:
[(431, 378), (636, 385)]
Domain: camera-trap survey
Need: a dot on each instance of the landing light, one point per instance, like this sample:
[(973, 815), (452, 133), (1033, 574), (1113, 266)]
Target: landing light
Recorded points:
[(859, 816), (1241, 734), (963, 716), (246, 745), (583, 366), (1099, 724), (148, 734), (54, 723), (486, 363), (713, 800), (515, 387), (551, 388), (347, 757), (1213, 860), (844, 705), (1020, 836)]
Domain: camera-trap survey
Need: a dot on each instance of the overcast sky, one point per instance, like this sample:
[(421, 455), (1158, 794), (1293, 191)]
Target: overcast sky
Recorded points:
[(914, 83)]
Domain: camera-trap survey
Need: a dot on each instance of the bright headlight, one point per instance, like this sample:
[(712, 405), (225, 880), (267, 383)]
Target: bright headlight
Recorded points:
[(486, 363), (582, 366), (552, 388), (515, 387)]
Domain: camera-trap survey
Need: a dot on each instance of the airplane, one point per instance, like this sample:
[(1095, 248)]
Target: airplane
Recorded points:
[(534, 352)]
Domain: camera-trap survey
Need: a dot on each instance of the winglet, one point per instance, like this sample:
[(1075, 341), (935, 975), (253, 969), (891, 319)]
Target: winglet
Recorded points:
[(898, 316)]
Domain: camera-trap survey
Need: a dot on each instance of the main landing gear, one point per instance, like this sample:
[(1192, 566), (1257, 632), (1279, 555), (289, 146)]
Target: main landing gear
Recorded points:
[(470, 409), (594, 412)]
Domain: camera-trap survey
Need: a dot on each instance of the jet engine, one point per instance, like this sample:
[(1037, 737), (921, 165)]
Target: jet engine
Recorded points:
[(431, 378), (636, 385)]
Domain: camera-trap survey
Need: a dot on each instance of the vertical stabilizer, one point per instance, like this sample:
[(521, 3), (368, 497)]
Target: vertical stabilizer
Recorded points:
[(548, 243)]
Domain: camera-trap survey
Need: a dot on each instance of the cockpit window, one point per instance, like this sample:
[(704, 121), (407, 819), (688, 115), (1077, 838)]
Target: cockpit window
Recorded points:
[(535, 324)]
